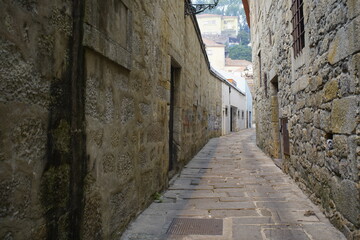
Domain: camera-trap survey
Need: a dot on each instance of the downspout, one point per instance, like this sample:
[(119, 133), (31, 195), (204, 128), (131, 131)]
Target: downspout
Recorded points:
[(78, 141)]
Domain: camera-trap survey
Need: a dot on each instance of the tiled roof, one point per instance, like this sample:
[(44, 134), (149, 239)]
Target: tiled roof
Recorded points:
[(208, 15), (231, 62), (211, 43)]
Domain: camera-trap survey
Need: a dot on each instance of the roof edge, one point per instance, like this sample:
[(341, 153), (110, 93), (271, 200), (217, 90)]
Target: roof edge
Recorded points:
[(247, 10), (223, 79)]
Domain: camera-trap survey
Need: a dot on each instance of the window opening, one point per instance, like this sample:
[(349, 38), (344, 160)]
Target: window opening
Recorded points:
[(297, 21)]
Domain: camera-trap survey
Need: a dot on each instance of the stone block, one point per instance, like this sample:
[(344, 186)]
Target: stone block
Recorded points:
[(308, 115), (278, 233), (346, 198), (247, 232), (343, 115), (345, 42), (323, 232), (347, 84), (325, 120), (253, 220), (340, 146), (233, 213), (352, 158), (331, 90), (353, 8), (300, 84)]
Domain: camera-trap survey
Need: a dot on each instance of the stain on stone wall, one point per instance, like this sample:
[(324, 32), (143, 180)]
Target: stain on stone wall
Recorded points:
[(34, 60)]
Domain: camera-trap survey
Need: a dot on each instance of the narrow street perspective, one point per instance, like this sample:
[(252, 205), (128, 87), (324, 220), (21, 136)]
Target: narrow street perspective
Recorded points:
[(180, 119), (232, 190)]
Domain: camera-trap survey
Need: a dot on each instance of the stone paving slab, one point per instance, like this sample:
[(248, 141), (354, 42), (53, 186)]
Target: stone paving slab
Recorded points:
[(233, 180)]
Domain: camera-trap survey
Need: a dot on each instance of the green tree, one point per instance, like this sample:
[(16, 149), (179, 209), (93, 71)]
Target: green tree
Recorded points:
[(227, 8), (240, 52), (244, 37)]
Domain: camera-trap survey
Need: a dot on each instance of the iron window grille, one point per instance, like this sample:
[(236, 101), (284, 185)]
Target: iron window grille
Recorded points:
[(298, 33), (265, 85)]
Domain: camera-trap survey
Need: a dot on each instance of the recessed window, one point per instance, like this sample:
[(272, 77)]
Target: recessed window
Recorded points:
[(298, 33)]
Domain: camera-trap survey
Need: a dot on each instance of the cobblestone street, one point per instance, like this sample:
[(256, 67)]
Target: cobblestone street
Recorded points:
[(233, 181)]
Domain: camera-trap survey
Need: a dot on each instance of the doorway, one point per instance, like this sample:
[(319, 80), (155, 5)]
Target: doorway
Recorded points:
[(174, 116), (276, 148)]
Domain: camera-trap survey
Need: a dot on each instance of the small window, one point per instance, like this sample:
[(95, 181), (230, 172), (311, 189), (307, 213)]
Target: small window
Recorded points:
[(297, 21), (242, 114)]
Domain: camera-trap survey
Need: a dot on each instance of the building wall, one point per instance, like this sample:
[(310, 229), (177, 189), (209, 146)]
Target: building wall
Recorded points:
[(230, 25), (210, 24), (318, 92), (85, 119), (216, 56), (232, 99), (238, 102), (34, 108)]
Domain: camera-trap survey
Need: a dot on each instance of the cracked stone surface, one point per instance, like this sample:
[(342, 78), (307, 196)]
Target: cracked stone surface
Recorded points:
[(233, 180)]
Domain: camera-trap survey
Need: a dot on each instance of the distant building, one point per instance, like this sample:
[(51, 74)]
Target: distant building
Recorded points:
[(216, 53), (240, 68), (235, 107), (242, 85), (212, 24)]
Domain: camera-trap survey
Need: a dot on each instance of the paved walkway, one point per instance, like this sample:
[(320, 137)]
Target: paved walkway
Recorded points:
[(232, 190)]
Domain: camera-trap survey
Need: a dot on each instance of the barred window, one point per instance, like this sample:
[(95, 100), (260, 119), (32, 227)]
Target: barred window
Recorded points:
[(297, 21)]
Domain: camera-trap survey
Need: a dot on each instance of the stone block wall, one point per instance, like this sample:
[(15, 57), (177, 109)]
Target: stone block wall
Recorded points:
[(318, 91), (34, 109), (85, 108)]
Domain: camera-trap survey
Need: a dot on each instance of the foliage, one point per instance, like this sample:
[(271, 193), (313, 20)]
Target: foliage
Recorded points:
[(244, 37), (228, 8), (240, 52), (235, 8)]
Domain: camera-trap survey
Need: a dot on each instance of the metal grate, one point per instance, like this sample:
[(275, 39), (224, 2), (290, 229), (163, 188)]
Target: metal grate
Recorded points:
[(298, 26), (196, 226), (285, 135)]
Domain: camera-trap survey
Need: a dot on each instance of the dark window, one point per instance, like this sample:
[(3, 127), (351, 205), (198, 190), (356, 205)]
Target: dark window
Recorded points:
[(297, 21), (242, 114)]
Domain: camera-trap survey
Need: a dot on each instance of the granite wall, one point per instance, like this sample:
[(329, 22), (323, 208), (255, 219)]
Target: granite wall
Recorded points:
[(85, 103), (318, 92)]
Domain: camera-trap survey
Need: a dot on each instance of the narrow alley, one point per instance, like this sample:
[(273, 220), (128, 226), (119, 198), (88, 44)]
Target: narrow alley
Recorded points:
[(232, 190)]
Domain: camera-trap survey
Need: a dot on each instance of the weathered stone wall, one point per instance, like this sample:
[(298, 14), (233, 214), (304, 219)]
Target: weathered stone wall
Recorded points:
[(85, 107), (34, 60), (127, 108), (319, 93)]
